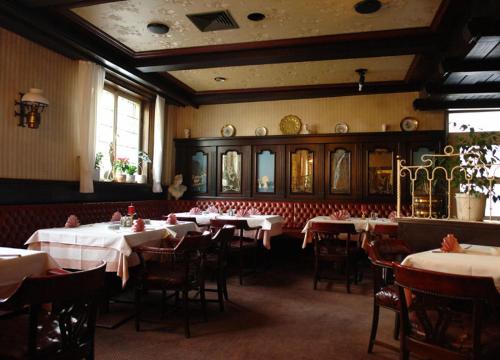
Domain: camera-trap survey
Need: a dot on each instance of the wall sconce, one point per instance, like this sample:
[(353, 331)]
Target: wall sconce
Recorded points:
[(361, 82), (31, 106)]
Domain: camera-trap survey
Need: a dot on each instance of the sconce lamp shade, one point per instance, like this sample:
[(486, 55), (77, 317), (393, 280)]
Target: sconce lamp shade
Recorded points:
[(34, 97)]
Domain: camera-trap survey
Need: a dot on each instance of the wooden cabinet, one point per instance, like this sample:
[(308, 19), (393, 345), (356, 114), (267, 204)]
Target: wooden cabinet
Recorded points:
[(350, 166)]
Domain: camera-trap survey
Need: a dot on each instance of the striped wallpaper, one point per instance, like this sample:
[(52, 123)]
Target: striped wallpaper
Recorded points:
[(50, 151)]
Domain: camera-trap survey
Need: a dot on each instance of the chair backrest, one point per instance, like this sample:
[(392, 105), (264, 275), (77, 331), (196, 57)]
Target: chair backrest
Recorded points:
[(329, 233), (221, 241), (194, 242), (437, 299), (73, 296), (388, 230), (333, 228), (187, 218)]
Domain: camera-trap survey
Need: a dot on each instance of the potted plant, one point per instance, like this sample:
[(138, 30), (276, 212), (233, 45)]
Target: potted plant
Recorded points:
[(140, 177), (477, 150), (130, 171), (120, 167), (97, 166)]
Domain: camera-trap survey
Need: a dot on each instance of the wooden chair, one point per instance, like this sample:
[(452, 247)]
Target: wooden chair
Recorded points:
[(193, 219), (444, 316), (382, 231), (330, 248), (60, 322), (178, 269), (241, 245), (216, 262), (382, 254)]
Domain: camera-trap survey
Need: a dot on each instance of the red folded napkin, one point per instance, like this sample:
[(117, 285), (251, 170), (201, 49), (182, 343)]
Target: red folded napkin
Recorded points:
[(72, 222), (117, 216), (242, 213), (253, 211), (450, 244), (139, 225), (340, 215), (213, 209), (195, 211), (171, 219), (392, 216)]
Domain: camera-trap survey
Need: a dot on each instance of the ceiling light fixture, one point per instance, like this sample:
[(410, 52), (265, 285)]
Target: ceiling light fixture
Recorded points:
[(220, 79), (158, 28), (361, 81), (367, 6), (256, 16)]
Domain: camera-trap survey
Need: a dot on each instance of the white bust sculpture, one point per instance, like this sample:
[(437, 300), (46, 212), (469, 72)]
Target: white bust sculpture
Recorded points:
[(176, 189)]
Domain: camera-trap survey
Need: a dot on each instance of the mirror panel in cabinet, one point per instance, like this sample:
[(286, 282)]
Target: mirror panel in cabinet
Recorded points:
[(380, 172), (231, 172), (199, 170), (340, 171), (302, 172), (266, 171)]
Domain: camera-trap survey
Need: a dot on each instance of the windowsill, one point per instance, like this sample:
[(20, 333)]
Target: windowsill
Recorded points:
[(112, 183)]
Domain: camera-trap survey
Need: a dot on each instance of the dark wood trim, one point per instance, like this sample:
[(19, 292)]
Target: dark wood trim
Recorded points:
[(437, 104), (299, 92), (63, 3), (470, 66), (125, 85), (481, 88)]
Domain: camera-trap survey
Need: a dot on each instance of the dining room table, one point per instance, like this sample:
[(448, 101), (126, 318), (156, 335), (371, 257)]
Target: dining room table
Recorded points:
[(85, 246), (271, 225), (474, 260), (363, 227)]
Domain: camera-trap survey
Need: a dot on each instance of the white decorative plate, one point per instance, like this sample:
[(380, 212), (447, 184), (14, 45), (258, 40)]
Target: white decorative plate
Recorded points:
[(228, 130), (261, 131), (409, 124), (341, 128)]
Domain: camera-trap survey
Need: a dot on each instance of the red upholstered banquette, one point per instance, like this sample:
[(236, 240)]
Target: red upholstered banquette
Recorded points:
[(18, 222)]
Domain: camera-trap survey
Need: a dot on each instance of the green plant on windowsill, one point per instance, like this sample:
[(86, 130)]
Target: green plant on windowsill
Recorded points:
[(98, 160), (131, 169), (120, 166)]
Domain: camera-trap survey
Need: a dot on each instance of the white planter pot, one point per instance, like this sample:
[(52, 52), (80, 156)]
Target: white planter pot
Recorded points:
[(129, 178), (140, 179), (470, 207), (120, 177)]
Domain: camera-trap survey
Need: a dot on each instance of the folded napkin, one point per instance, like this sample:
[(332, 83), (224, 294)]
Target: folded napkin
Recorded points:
[(450, 244), (253, 211), (72, 222), (242, 213), (171, 219), (195, 211), (392, 216), (117, 216), (340, 215), (138, 226), (213, 209)]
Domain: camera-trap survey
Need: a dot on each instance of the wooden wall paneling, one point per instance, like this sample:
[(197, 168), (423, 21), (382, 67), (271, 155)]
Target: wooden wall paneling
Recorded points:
[(318, 168), (355, 170), (246, 174), (279, 171)]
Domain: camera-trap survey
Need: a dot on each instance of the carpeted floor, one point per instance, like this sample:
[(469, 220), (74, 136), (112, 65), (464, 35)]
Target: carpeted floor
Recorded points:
[(275, 315)]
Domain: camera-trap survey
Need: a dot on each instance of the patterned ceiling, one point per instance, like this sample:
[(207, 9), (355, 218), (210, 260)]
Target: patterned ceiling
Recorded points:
[(390, 68), (126, 21)]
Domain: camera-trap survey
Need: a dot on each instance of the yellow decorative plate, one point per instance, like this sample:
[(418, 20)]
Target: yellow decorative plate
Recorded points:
[(290, 125)]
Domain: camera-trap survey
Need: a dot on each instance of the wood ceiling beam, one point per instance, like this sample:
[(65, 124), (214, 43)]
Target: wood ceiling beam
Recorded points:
[(63, 3), (440, 104), (481, 88), (299, 92), (470, 66), (386, 43)]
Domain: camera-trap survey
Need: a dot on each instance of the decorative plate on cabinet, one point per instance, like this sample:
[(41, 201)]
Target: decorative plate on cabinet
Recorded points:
[(341, 128), (228, 130), (261, 131), (290, 125), (409, 124)]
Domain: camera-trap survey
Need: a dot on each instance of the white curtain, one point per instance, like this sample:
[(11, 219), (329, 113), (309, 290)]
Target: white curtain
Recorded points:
[(89, 88), (158, 143)]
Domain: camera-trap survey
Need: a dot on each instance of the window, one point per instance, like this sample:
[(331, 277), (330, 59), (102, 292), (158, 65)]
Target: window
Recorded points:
[(481, 121), (118, 132)]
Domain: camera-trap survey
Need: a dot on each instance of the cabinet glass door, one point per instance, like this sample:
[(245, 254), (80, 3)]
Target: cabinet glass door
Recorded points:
[(340, 171), (231, 172), (302, 174), (266, 165), (199, 169), (380, 172)]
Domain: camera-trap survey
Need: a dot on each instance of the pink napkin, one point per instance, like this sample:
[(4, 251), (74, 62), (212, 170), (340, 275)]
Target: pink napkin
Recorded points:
[(117, 216), (213, 209), (171, 219), (340, 215), (450, 244), (72, 222), (253, 211), (392, 216), (242, 213), (139, 225), (195, 211)]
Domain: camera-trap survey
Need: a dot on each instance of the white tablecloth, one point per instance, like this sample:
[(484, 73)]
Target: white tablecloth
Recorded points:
[(271, 224), (16, 264), (476, 261), (85, 246), (361, 225)]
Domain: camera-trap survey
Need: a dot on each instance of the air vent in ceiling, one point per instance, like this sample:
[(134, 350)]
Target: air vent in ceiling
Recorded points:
[(213, 21)]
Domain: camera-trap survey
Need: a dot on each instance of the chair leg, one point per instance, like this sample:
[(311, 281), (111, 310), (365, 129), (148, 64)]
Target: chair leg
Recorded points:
[(137, 309), (203, 301), (224, 285), (163, 302), (240, 252), (316, 273), (396, 327), (185, 305), (373, 333), (220, 292), (348, 277)]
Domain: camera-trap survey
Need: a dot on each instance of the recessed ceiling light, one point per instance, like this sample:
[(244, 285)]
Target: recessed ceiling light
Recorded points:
[(256, 16), (158, 28), (220, 79), (367, 6)]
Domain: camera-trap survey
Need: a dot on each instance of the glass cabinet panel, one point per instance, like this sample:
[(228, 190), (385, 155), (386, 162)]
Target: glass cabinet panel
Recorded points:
[(302, 177), (380, 172), (340, 172), (199, 166), (266, 163), (231, 172), (417, 154)]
